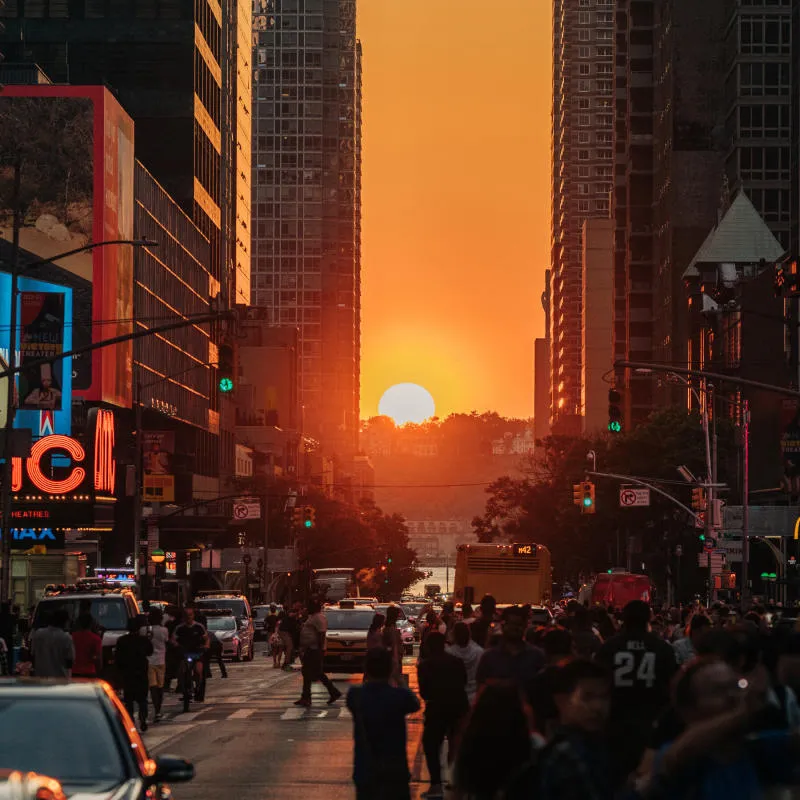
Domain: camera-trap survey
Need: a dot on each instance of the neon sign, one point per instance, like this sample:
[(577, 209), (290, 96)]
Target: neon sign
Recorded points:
[(104, 470)]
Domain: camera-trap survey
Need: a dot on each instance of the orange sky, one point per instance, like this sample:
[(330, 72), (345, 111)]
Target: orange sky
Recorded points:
[(456, 189)]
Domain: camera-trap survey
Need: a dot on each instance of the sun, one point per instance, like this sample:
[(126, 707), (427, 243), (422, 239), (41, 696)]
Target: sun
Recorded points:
[(407, 402)]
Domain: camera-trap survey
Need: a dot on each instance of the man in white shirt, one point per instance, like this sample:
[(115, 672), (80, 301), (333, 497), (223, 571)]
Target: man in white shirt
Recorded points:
[(159, 636), (312, 647)]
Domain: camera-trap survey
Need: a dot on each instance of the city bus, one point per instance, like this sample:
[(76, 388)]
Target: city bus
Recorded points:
[(512, 573)]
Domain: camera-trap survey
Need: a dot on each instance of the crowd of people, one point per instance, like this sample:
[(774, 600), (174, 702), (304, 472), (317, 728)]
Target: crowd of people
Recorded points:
[(600, 705)]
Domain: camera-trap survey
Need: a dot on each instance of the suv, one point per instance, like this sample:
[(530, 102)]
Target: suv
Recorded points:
[(239, 606), (111, 609)]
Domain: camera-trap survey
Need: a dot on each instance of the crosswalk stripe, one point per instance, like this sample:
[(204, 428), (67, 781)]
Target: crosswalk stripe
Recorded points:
[(293, 713), (242, 713)]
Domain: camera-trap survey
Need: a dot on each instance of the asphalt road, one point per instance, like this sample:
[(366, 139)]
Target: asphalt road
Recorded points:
[(249, 740)]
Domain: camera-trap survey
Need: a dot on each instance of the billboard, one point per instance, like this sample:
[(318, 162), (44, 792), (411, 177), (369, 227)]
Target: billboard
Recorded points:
[(74, 146), (43, 394), (159, 480)]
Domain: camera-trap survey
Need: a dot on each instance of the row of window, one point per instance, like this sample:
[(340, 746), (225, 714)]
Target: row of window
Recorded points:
[(600, 17), (585, 69), (601, 51), (758, 36)]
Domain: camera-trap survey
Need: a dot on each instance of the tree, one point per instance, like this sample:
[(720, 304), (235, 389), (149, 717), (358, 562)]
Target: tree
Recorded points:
[(539, 506)]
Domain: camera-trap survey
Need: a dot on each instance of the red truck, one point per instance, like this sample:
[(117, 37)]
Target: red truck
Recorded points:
[(618, 588)]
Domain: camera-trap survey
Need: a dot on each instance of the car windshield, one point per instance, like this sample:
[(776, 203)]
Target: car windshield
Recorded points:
[(382, 610), (349, 620), (261, 612), (221, 623), (71, 740), (232, 604), (413, 609), (108, 612)]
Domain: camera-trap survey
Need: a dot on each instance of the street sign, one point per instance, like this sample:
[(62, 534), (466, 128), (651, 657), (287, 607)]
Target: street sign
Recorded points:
[(246, 508), (632, 498), (732, 547)]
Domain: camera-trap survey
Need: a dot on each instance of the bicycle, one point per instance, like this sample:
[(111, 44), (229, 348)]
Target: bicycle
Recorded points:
[(190, 683)]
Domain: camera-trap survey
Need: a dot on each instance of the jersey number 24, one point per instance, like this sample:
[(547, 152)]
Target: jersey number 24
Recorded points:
[(626, 672)]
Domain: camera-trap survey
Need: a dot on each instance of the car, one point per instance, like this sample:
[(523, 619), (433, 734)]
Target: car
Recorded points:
[(348, 626), (79, 734), (360, 601), (404, 625), (161, 605), (260, 614), (238, 604), (111, 609), (222, 623)]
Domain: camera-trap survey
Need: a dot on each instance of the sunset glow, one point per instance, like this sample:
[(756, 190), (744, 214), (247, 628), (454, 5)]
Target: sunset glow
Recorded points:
[(456, 190)]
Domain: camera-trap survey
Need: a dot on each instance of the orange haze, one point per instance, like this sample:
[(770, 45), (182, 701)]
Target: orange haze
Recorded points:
[(456, 190)]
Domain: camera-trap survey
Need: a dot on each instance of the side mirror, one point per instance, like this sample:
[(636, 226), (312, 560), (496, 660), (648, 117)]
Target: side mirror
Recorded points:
[(172, 769)]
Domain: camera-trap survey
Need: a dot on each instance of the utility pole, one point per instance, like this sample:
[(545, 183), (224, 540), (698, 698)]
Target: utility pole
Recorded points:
[(11, 382), (706, 396), (137, 496)]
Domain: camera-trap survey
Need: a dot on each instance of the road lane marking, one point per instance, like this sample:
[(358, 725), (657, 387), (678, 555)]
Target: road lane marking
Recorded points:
[(242, 713)]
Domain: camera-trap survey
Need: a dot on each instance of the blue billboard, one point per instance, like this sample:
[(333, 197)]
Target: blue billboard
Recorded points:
[(43, 391)]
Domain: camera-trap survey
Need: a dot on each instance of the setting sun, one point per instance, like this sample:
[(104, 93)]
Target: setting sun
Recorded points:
[(407, 402)]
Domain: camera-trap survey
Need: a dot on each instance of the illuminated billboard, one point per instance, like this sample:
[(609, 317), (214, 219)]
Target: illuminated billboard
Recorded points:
[(43, 395), (74, 145)]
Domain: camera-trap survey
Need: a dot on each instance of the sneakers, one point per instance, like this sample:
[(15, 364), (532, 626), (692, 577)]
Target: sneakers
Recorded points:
[(334, 697)]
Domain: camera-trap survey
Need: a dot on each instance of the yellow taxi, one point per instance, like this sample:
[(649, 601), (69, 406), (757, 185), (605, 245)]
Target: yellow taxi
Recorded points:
[(346, 646)]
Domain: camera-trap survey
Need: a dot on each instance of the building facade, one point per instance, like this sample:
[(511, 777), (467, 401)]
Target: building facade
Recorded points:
[(582, 177), (597, 322), (306, 200)]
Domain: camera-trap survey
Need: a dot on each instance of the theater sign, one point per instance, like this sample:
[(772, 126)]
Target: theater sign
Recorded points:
[(66, 483)]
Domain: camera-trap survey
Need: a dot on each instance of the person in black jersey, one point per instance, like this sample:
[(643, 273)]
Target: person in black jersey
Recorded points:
[(642, 666)]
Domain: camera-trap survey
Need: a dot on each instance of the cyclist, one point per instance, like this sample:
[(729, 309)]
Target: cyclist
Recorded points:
[(192, 641)]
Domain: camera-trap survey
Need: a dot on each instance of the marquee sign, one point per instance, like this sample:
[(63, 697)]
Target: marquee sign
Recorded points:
[(65, 483)]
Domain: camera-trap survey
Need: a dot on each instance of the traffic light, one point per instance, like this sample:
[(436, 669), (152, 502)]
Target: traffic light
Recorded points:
[(309, 517), (699, 499), (226, 367), (614, 411), (577, 495), (587, 497)]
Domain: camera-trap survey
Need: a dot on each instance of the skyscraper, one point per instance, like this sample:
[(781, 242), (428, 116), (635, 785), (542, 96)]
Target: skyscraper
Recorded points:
[(582, 145), (307, 197)]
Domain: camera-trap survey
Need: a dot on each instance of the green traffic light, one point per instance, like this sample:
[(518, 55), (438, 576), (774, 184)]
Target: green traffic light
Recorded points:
[(615, 427), (225, 385), (308, 523), (587, 502), (702, 537)]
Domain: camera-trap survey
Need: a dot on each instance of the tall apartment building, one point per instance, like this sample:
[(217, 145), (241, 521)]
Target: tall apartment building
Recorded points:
[(690, 149), (758, 92), (306, 199), (582, 159), (181, 70), (633, 202)]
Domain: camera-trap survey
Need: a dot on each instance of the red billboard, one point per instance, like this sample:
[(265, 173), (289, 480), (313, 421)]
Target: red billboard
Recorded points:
[(81, 140)]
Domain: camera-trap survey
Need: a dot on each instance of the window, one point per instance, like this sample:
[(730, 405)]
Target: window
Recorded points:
[(604, 18), (584, 86), (583, 155), (583, 35), (583, 52), (604, 52), (583, 206), (583, 137), (584, 18), (604, 137), (601, 205), (583, 188), (583, 103), (584, 120), (584, 69), (583, 172)]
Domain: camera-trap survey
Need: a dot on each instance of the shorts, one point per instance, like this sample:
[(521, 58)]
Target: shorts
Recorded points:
[(155, 675)]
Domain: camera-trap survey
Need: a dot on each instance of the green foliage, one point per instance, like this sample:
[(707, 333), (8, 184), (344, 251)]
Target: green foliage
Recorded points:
[(539, 506)]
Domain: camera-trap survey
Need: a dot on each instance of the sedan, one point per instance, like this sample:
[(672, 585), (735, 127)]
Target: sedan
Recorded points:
[(80, 735), (404, 625), (235, 644)]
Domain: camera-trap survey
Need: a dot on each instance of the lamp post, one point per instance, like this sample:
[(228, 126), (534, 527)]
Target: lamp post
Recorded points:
[(5, 527)]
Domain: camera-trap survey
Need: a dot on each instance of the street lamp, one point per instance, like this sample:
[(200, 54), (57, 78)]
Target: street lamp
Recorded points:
[(158, 556), (5, 528)]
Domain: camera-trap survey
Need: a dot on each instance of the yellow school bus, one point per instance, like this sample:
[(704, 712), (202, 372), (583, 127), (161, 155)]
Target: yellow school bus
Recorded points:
[(511, 573)]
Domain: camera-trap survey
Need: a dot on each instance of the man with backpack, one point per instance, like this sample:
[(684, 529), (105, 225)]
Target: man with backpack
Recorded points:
[(312, 647)]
